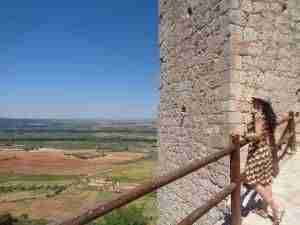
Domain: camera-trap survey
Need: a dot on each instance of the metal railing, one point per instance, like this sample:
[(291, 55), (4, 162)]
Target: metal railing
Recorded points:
[(233, 189)]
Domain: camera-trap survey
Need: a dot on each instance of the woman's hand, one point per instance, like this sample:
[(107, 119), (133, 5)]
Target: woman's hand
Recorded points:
[(234, 134)]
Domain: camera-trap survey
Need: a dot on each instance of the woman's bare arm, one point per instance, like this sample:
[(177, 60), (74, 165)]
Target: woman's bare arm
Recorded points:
[(251, 136)]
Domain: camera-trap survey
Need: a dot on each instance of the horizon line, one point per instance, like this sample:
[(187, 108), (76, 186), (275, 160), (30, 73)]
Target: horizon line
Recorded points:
[(74, 118)]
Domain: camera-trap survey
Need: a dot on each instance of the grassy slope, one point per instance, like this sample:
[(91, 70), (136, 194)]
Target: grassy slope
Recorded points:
[(134, 172)]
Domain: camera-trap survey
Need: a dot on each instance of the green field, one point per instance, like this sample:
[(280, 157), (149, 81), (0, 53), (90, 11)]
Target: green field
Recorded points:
[(45, 187), (13, 178), (21, 194), (113, 141)]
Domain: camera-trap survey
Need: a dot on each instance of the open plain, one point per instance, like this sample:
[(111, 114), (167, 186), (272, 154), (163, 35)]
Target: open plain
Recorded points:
[(60, 173), (53, 162)]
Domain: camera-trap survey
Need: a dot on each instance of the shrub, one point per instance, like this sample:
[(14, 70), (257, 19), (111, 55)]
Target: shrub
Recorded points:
[(59, 190), (8, 219), (132, 215)]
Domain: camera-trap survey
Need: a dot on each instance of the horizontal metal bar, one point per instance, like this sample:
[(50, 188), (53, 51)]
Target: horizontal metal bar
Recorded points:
[(145, 188), (288, 137), (286, 129), (198, 213)]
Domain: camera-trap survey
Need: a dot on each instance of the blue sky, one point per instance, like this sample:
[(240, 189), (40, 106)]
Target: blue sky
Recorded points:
[(79, 59)]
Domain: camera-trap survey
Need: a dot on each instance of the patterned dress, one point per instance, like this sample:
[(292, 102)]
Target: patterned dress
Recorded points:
[(259, 166)]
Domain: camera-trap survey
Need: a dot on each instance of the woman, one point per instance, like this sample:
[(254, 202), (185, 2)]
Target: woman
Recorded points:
[(262, 160)]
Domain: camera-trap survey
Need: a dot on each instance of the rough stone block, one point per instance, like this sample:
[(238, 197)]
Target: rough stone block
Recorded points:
[(215, 55)]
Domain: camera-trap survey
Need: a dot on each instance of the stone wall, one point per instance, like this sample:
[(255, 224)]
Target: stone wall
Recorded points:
[(264, 55), (214, 56), (294, 10), (195, 69)]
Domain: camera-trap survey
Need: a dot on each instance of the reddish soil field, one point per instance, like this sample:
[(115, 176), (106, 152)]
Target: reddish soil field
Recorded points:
[(55, 209), (55, 162)]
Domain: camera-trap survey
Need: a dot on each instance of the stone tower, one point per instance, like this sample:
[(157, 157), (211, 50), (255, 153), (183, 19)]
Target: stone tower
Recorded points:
[(294, 7), (215, 54)]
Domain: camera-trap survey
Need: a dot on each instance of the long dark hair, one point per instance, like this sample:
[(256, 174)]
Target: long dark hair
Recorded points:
[(269, 114)]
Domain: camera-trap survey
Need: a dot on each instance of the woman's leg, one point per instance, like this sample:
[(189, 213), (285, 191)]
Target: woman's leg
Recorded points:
[(274, 205), (266, 193)]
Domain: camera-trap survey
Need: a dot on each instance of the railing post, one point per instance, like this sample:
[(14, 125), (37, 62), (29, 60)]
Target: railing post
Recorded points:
[(292, 129), (235, 176)]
